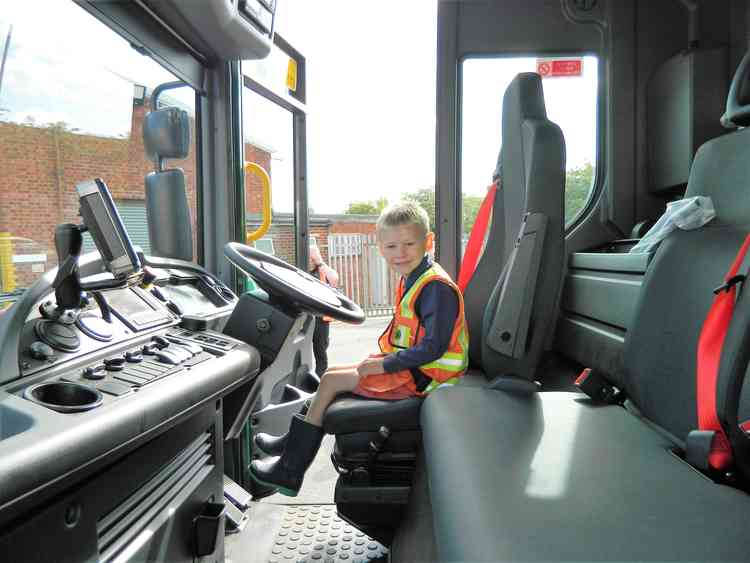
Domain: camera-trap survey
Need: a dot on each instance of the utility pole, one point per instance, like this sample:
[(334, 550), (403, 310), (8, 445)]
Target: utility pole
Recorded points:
[(5, 56)]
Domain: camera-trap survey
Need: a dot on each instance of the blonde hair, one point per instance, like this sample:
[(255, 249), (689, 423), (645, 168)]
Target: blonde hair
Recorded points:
[(405, 212)]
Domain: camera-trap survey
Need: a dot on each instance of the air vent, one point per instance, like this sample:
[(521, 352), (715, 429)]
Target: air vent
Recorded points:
[(118, 529)]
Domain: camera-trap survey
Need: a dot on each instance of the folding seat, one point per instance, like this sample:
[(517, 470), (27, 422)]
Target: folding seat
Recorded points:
[(555, 476)]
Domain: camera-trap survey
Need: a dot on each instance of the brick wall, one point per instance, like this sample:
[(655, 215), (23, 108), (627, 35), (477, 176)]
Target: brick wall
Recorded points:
[(44, 164), (253, 185), (347, 227)]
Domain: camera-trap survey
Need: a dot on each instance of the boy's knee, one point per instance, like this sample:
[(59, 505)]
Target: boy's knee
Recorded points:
[(334, 380)]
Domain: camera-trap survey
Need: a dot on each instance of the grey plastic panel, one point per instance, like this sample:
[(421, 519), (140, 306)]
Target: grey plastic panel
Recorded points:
[(609, 297), (168, 215), (611, 262), (592, 344), (166, 133), (510, 325)]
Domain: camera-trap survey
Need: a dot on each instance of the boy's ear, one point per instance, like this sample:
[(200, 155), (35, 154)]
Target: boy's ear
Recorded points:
[(430, 240)]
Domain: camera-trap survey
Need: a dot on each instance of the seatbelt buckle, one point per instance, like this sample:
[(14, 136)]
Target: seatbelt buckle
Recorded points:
[(698, 448), (730, 283), (593, 384)]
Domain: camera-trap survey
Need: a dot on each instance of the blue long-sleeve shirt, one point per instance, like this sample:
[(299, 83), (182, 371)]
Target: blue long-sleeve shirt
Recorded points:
[(437, 309)]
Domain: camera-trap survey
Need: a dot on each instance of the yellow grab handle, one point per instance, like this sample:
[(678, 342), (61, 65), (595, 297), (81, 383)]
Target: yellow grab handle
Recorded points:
[(265, 181)]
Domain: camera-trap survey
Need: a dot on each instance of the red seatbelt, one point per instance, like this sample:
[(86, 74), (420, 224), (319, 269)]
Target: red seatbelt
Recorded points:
[(476, 238), (710, 344)]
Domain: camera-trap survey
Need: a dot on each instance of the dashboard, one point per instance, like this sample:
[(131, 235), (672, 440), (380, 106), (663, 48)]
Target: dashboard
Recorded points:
[(77, 388)]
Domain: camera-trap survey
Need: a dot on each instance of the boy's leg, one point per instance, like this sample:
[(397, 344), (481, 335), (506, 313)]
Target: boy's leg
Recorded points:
[(287, 471), (320, 343), (343, 367), (333, 383)]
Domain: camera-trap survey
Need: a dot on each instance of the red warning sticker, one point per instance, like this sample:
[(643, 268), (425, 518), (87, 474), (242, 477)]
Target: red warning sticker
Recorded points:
[(550, 68)]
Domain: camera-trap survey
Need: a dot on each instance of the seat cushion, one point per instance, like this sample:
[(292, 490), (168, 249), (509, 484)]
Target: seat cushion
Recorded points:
[(350, 413), (552, 477)]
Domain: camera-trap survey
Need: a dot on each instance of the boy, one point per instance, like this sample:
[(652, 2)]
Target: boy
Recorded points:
[(425, 345)]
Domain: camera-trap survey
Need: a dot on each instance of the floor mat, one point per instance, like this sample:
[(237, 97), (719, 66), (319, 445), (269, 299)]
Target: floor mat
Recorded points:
[(316, 533), (309, 534)]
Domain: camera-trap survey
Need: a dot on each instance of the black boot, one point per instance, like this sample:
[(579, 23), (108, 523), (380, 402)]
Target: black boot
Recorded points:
[(286, 472), (274, 445)]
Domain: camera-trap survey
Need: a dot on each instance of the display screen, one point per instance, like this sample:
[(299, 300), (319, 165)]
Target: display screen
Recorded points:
[(106, 227), (127, 303), (134, 308)]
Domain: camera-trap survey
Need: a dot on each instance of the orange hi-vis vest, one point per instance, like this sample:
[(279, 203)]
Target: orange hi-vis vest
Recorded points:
[(406, 330)]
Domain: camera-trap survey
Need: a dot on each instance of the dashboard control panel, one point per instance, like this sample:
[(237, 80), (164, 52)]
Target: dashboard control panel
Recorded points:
[(163, 355)]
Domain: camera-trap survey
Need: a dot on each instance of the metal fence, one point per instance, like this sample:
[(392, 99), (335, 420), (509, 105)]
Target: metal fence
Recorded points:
[(363, 274)]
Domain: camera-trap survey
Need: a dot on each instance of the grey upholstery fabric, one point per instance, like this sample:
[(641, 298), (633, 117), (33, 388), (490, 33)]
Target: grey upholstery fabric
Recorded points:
[(660, 349), (533, 158), (532, 170), (738, 100), (548, 477)]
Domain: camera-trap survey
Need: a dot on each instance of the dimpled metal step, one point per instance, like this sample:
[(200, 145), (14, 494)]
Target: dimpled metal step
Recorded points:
[(315, 534)]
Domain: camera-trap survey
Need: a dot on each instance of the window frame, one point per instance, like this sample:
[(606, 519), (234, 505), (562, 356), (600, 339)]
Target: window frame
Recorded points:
[(296, 106), (599, 169)]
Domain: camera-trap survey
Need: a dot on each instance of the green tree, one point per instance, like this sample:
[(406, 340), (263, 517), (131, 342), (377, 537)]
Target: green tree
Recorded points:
[(426, 198), (367, 207), (469, 210), (578, 183)]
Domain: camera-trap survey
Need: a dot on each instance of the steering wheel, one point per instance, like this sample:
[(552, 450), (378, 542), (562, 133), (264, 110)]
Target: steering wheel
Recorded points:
[(292, 284)]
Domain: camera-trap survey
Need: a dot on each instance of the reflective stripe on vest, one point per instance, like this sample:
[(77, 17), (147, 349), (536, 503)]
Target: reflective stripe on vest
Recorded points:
[(405, 331)]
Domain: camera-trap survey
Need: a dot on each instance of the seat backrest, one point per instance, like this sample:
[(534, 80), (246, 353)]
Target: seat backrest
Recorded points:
[(661, 347), (510, 300), (166, 134)]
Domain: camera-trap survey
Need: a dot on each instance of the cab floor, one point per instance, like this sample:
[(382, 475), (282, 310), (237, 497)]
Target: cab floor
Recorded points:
[(304, 528)]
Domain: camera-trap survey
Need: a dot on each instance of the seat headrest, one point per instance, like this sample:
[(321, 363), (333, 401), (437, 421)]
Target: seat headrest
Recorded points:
[(737, 113), (166, 133), (525, 97)]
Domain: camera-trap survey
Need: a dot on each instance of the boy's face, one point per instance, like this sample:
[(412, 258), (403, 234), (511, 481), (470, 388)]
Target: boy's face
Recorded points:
[(404, 246)]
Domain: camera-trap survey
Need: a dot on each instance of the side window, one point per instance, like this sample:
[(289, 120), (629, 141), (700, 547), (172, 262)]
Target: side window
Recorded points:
[(269, 142), (72, 104), (570, 95)]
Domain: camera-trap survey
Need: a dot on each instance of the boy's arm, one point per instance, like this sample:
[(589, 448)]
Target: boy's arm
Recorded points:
[(437, 309)]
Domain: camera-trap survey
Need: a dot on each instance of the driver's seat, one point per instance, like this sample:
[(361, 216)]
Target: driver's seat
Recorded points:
[(529, 273)]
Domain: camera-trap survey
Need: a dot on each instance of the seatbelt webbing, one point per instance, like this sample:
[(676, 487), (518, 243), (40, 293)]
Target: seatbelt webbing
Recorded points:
[(710, 344), (476, 238)]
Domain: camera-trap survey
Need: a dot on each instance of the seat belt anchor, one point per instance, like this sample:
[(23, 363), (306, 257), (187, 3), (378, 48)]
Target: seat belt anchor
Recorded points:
[(595, 385)]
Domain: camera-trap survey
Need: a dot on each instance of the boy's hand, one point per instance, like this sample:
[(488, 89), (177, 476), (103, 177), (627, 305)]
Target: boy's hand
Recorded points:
[(370, 366)]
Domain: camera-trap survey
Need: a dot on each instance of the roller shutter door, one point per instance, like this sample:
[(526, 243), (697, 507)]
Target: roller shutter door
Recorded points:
[(133, 213)]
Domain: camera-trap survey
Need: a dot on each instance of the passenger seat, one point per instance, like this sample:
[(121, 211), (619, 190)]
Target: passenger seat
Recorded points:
[(556, 477)]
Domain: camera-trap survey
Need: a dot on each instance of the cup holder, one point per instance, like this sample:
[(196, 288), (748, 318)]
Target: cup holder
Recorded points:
[(65, 397)]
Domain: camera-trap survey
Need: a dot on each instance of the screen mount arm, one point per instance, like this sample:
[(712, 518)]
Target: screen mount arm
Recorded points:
[(67, 284)]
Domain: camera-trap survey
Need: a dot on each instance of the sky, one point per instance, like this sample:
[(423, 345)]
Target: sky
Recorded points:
[(370, 105), (370, 97)]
